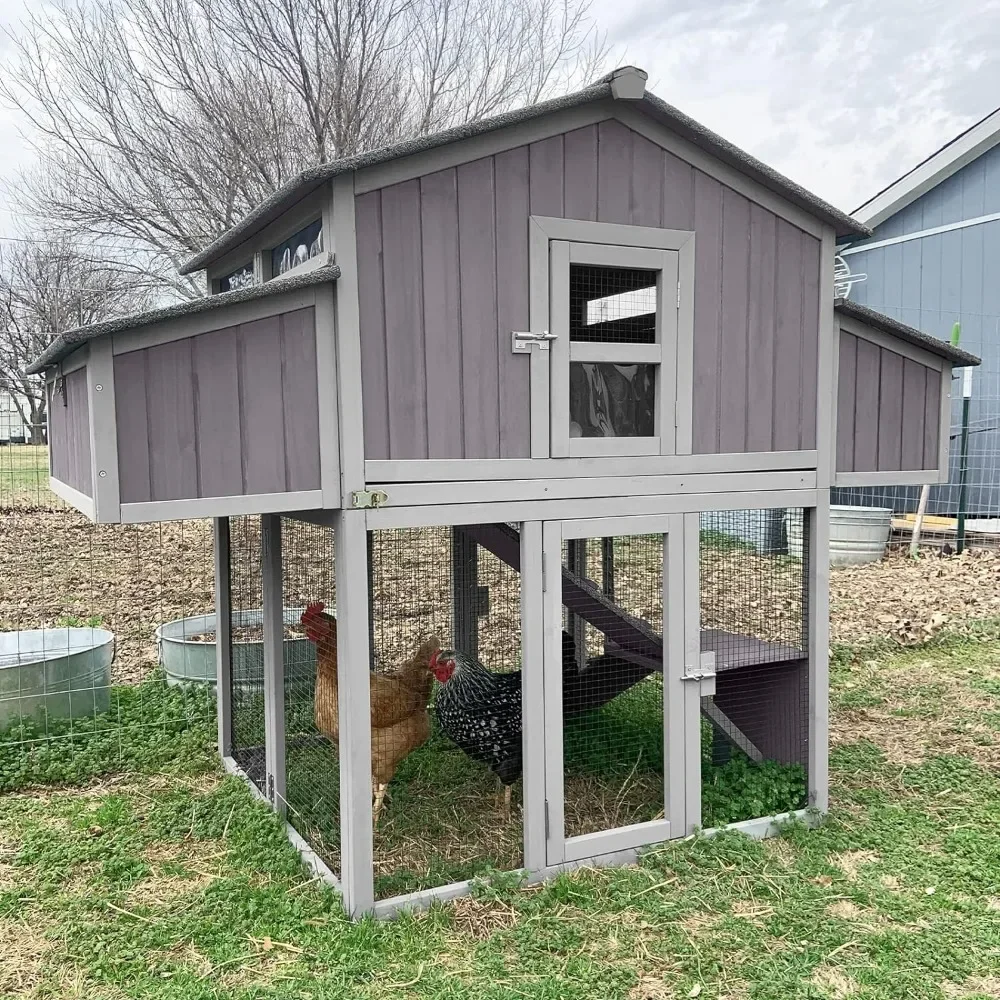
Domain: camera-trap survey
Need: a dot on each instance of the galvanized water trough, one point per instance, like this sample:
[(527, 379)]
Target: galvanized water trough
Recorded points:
[(58, 672), (857, 534), (187, 658)]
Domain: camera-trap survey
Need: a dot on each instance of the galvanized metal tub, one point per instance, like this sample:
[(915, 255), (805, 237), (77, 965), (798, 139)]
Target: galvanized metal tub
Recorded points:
[(857, 534), (59, 672), (186, 661)]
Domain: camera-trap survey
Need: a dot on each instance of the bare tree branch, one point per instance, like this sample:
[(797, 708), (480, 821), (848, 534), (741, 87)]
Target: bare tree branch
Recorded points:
[(48, 288), (159, 123)]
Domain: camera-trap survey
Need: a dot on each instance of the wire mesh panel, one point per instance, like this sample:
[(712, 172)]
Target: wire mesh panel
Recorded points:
[(445, 615), (754, 618), (312, 766), (85, 687), (612, 700), (612, 305), (246, 636)]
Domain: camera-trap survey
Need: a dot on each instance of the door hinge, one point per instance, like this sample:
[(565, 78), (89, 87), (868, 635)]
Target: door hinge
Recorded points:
[(546, 819), (545, 585), (521, 341), (270, 788), (361, 499), (678, 295)]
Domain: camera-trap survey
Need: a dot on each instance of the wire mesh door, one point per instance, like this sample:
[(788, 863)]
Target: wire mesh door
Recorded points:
[(615, 716)]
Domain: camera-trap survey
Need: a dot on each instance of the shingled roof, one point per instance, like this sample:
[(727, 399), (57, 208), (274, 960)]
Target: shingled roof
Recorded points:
[(66, 343), (894, 328), (610, 86)]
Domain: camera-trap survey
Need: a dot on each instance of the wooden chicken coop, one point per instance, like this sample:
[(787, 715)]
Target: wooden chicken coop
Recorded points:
[(521, 436)]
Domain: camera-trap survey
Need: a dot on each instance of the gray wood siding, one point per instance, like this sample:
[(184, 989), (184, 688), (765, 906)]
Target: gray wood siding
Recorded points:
[(443, 279), (229, 413), (69, 433), (888, 410)]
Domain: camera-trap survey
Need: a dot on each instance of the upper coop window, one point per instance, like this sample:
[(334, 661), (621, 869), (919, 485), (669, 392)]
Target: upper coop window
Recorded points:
[(242, 277), (614, 351), (298, 249)]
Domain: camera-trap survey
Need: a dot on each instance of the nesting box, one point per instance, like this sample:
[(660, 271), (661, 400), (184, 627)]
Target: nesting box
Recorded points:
[(528, 406)]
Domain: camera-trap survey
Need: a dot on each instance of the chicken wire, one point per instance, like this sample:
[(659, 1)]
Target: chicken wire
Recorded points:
[(246, 644), (612, 305), (754, 618), (110, 707), (612, 701), (444, 817), (312, 765)]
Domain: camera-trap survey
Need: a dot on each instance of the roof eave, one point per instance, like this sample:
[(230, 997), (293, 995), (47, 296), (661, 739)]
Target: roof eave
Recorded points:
[(926, 175), (908, 334), (70, 340), (609, 87)]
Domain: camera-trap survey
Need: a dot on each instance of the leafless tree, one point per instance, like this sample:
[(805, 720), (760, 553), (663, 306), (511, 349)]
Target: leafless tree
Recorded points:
[(161, 122), (46, 288)]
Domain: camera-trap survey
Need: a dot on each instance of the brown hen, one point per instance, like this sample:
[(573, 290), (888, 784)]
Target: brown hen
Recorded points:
[(399, 718)]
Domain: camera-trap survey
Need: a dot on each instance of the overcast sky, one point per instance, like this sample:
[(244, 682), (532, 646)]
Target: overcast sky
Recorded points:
[(842, 97)]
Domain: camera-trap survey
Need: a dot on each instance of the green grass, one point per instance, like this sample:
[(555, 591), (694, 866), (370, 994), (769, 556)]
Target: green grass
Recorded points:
[(24, 476), (161, 884)]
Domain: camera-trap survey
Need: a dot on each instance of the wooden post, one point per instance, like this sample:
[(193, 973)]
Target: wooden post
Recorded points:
[(223, 637), (274, 667), (355, 750), (918, 522)]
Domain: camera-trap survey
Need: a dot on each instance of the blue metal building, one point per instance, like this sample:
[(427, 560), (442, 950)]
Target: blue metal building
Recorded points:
[(934, 260)]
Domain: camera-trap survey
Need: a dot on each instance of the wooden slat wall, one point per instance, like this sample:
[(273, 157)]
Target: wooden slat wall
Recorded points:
[(228, 413), (69, 434), (888, 410), (443, 279)]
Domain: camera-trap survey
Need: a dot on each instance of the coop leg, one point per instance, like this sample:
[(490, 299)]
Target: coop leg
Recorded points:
[(506, 803)]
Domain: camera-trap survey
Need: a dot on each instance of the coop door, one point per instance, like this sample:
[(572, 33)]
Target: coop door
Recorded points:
[(613, 317), (615, 714)]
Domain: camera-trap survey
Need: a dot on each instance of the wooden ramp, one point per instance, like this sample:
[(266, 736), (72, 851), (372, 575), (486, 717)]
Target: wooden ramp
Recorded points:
[(633, 640)]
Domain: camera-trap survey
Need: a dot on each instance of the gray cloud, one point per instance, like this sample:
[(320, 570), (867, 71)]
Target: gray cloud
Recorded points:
[(843, 97)]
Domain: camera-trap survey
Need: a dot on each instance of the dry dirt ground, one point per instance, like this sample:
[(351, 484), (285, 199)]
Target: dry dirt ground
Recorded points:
[(57, 568)]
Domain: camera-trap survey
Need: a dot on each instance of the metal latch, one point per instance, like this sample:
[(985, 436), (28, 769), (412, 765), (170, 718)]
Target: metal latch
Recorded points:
[(521, 340), (369, 498), (703, 673)]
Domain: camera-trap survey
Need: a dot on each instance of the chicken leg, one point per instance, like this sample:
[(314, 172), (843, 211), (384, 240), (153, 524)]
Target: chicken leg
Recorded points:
[(379, 790)]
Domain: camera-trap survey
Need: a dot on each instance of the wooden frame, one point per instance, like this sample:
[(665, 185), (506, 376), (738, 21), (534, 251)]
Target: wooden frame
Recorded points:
[(553, 245), (565, 353), (250, 503), (348, 339), (477, 491), (911, 352), (103, 432), (274, 666), (223, 636), (84, 504), (817, 527), (502, 469), (353, 656), (674, 585)]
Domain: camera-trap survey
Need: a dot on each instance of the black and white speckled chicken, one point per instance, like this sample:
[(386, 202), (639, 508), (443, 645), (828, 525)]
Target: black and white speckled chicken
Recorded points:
[(480, 712), (479, 709)]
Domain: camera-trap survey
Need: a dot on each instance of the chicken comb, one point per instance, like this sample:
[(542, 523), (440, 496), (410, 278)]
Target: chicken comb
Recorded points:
[(312, 611)]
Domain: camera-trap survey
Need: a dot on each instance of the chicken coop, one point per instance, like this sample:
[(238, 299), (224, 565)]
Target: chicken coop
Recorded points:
[(518, 441)]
